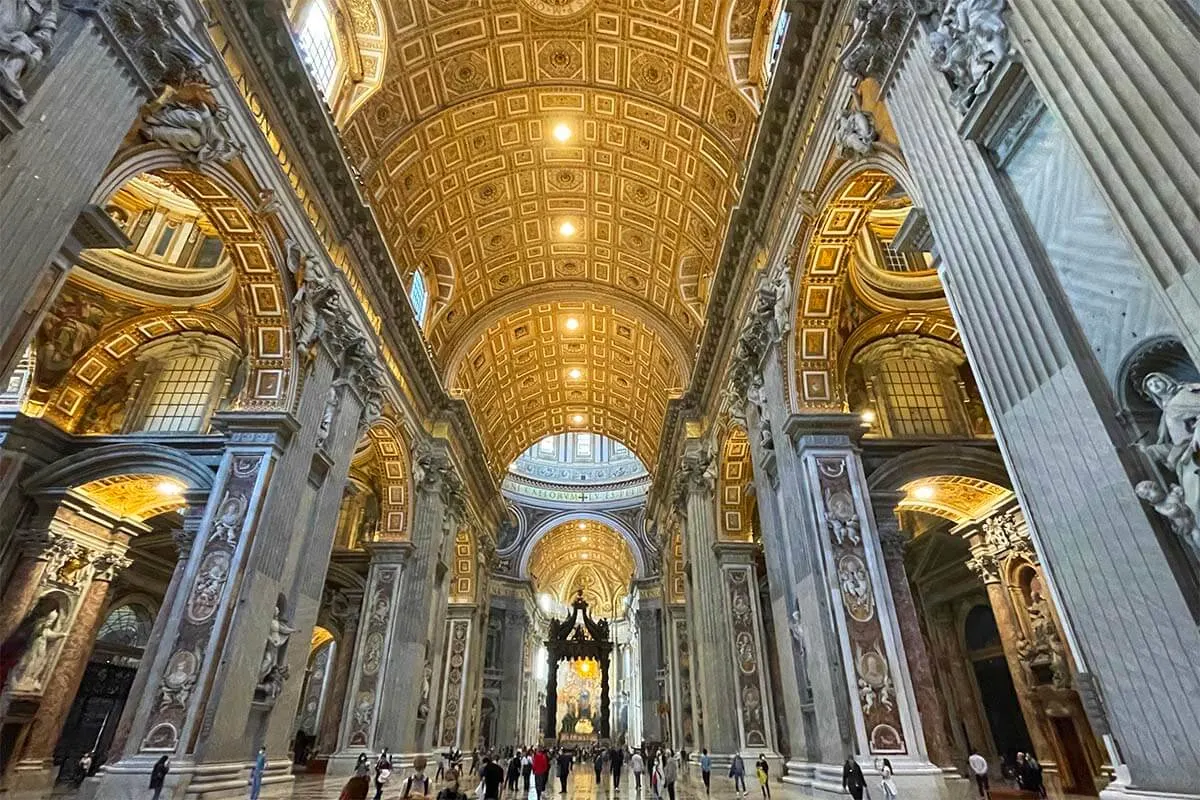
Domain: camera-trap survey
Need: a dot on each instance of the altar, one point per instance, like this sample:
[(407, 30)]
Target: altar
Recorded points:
[(578, 650)]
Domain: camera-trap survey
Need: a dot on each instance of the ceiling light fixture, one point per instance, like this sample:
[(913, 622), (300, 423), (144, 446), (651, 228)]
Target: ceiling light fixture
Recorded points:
[(168, 488), (582, 526), (924, 492), (868, 416), (572, 323), (562, 131), (577, 419), (574, 374), (566, 229)]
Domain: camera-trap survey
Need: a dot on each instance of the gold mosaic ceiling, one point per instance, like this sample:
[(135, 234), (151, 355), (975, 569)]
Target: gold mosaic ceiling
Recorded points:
[(472, 175), (583, 555)]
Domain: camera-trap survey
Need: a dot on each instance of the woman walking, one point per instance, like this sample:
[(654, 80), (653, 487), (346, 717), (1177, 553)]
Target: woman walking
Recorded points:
[(763, 770), (886, 783), (670, 773), (360, 782), (256, 773), (158, 775), (737, 771), (383, 772), (852, 779)]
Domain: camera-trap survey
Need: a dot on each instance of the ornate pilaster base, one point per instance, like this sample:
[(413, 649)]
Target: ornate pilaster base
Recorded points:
[(127, 780)]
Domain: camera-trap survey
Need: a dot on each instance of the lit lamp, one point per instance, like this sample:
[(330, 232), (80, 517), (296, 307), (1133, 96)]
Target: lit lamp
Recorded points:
[(924, 492)]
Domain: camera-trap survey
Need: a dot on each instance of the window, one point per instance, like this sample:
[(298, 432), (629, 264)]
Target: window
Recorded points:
[(418, 296), (14, 389), (781, 23), (912, 382), (182, 395), (583, 445), (915, 397), (315, 38), (127, 626)]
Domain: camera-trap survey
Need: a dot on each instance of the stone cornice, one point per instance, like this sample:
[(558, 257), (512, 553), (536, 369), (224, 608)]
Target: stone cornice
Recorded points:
[(765, 178), (259, 30)]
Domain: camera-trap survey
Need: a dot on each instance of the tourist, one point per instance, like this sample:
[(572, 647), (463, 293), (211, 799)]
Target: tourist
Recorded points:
[(514, 771), (670, 772), (417, 784), (852, 779), (637, 766), (443, 764), (656, 775), (564, 769), (540, 766), (706, 770), (598, 765), (451, 791), (763, 770), (616, 760), (360, 782), (737, 771), (256, 773), (85, 767), (979, 768), (383, 772), (526, 769), (492, 777), (158, 775), (886, 783)]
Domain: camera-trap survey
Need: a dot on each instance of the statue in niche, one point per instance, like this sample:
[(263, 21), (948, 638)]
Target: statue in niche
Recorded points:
[(1176, 449), (855, 132), (28, 673), (332, 399), (188, 120), (783, 301), (26, 35), (796, 626), (426, 685), (272, 672)]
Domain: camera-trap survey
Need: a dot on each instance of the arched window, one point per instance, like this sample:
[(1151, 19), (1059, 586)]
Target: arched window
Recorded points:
[(912, 384), (123, 635), (316, 39), (185, 379), (418, 296)]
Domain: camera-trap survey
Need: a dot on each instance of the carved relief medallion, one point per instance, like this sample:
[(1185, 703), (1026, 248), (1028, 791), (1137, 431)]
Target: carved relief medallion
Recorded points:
[(206, 593), (856, 588)]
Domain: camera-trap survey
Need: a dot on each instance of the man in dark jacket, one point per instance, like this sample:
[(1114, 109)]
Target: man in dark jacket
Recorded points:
[(564, 769), (616, 759)]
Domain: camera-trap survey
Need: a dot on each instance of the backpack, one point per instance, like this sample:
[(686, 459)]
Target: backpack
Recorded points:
[(408, 785)]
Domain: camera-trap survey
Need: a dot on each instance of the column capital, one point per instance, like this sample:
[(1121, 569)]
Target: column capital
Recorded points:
[(106, 566), (825, 429), (696, 474), (273, 428), (984, 565), (893, 541), (389, 552), (735, 552)]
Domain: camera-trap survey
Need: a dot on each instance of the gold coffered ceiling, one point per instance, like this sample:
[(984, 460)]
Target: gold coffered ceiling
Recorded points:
[(470, 184), (583, 555)]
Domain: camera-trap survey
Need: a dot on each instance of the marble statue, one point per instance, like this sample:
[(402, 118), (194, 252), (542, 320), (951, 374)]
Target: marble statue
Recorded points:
[(272, 672), (797, 628), (1172, 505), (855, 133), (970, 40), (332, 398), (191, 122), (30, 669), (1176, 449), (26, 35), (783, 301)]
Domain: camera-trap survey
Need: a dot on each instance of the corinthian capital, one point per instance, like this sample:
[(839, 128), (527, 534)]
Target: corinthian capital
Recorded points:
[(984, 565), (878, 31), (166, 53), (697, 474), (107, 565)]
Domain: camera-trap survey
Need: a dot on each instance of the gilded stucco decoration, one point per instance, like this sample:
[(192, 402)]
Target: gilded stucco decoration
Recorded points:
[(472, 178), (736, 521), (137, 496), (390, 463), (583, 555), (954, 497), (519, 376), (462, 576)]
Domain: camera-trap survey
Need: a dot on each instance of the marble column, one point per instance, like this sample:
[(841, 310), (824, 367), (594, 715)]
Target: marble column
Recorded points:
[(886, 721), (751, 682), (893, 541), (515, 625), (650, 632), (1128, 620), (36, 767), (55, 145), (711, 642), (437, 512), (339, 680)]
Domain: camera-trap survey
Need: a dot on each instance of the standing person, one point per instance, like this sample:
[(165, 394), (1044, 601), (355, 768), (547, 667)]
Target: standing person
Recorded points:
[(360, 782), (852, 779), (637, 766), (737, 771), (474, 762), (670, 773), (886, 783), (564, 769), (656, 775), (684, 761), (979, 768), (256, 773), (706, 770), (158, 775), (443, 759), (598, 765), (85, 768), (540, 766), (383, 772), (417, 784), (451, 791), (763, 770), (526, 769), (616, 760), (492, 777), (514, 771)]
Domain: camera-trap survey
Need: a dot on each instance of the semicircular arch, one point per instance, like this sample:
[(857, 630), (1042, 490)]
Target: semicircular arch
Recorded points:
[(596, 517), (392, 455)]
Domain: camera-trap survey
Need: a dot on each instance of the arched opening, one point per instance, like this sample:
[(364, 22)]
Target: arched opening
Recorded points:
[(993, 681), (312, 708)]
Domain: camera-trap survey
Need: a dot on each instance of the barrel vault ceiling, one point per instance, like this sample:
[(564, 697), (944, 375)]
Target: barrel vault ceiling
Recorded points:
[(562, 172)]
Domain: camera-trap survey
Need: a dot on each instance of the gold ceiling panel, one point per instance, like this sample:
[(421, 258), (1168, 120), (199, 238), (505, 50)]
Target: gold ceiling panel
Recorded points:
[(956, 497), (464, 168), (136, 496), (586, 555), (519, 378)]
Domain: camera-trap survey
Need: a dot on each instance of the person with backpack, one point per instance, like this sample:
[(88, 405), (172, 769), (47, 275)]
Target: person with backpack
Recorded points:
[(417, 784), (514, 771), (670, 773), (763, 770), (737, 771), (564, 769), (383, 772), (491, 775), (451, 791), (706, 770), (526, 770)]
